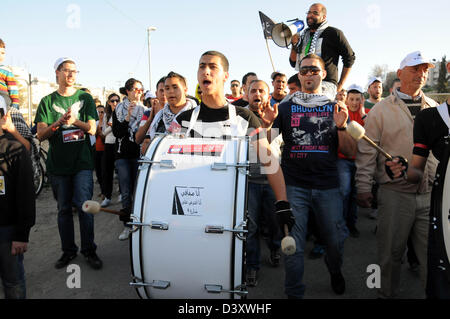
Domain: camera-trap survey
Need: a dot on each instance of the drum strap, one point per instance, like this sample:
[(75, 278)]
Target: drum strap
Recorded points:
[(231, 115), (443, 112)]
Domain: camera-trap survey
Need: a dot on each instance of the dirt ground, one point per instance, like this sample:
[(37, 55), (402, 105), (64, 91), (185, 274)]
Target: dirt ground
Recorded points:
[(112, 281)]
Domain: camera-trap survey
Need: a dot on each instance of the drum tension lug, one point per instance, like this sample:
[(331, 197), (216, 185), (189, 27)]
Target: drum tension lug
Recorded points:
[(238, 231), (163, 163), (224, 166), (157, 284), (152, 225), (240, 290)]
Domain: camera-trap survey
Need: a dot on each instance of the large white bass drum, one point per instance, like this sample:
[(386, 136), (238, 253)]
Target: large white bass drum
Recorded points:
[(189, 220), (440, 209)]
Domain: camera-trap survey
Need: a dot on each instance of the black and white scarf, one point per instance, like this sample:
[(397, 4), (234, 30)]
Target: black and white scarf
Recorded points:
[(167, 116), (135, 117), (309, 100), (304, 40)]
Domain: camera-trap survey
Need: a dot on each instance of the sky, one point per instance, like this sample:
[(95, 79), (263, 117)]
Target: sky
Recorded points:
[(108, 38)]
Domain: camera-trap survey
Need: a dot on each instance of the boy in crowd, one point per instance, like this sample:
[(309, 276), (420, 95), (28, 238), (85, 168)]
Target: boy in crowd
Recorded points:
[(175, 90), (7, 81)]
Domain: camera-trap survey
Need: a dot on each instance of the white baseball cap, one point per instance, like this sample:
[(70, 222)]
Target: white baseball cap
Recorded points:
[(374, 79), (61, 61), (415, 58), (355, 87), (276, 73), (149, 95)]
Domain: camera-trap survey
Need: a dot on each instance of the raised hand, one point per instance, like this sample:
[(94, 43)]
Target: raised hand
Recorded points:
[(340, 115), (7, 124), (268, 113)]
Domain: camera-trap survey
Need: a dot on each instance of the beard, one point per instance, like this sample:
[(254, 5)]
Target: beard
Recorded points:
[(313, 24)]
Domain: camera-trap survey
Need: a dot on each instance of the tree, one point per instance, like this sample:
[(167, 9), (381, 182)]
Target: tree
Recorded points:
[(379, 71), (442, 84)]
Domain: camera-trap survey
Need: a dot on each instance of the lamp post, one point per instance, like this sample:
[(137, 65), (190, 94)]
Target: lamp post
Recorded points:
[(149, 29)]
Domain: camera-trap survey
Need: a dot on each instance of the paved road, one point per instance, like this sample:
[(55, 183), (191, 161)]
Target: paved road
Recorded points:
[(46, 282)]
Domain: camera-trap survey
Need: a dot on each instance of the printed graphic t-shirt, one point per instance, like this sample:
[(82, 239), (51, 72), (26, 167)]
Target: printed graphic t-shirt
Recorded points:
[(70, 147), (310, 153)]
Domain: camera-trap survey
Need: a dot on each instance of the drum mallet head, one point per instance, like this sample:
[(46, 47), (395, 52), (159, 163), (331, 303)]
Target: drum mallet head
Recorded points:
[(91, 206), (355, 130), (288, 246)]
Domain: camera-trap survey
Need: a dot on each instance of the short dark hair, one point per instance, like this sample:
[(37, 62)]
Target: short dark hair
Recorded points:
[(2, 44), (355, 92), (256, 81), (223, 58), (161, 80), (63, 64), (394, 81), (176, 75), (236, 81), (314, 57), (294, 79), (244, 78)]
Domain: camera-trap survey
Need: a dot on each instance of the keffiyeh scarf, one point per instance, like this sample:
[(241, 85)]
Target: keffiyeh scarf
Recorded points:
[(304, 40), (167, 116), (135, 117), (309, 100)]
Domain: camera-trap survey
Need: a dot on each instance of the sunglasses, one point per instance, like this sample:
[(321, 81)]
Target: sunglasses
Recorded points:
[(307, 69), (114, 101), (234, 85)]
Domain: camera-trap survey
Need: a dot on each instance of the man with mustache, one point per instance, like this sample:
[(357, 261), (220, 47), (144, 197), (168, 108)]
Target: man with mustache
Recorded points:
[(327, 42), (403, 208), (431, 133)]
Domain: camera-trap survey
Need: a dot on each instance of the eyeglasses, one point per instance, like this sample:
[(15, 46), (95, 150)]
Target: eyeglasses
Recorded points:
[(114, 101), (307, 69), (316, 13), (101, 112), (66, 71)]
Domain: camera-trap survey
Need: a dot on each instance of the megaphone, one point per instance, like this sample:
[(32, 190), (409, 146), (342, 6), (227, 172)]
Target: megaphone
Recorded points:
[(282, 33)]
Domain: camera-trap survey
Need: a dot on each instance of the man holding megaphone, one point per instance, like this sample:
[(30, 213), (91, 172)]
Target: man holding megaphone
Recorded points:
[(327, 42)]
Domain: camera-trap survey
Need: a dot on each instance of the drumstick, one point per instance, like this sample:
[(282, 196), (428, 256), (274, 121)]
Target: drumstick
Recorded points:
[(358, 132), (288, 243), (93, 207)]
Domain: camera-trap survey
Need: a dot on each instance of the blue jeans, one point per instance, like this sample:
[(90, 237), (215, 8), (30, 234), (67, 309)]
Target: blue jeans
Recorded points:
[(12, 272), (261, 203), (74, 190), (327, 208), (347, 171), (127, 170)]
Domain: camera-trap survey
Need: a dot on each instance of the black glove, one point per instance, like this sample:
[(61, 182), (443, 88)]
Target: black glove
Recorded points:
[(402, 161), (125, 217), (284, 215)]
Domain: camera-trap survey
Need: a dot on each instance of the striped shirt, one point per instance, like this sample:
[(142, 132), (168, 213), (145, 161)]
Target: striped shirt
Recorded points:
[(8, 85)]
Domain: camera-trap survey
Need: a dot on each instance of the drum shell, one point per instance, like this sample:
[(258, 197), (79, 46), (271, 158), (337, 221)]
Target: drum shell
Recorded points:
[(185, 255), (440, 210)]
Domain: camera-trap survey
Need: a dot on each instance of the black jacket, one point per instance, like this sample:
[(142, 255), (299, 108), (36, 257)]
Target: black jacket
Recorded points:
[(17, 196), (125, 148), (334, 44)]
